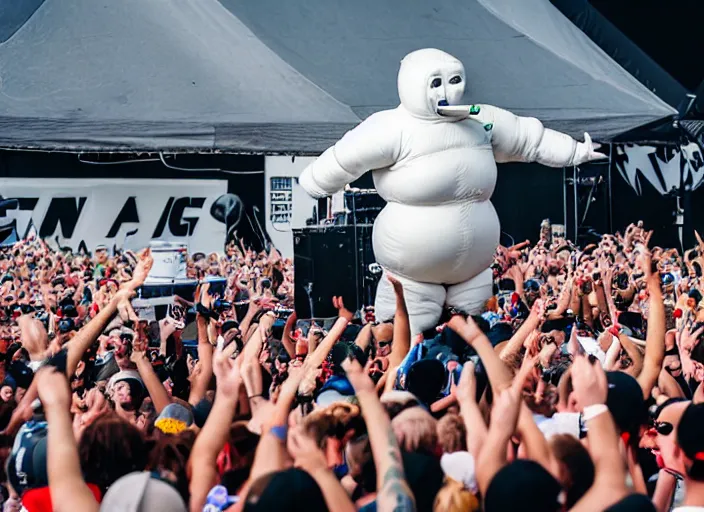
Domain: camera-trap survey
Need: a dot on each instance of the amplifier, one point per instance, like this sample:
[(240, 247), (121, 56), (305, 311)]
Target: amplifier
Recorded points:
[(363, 205), (329, 261)]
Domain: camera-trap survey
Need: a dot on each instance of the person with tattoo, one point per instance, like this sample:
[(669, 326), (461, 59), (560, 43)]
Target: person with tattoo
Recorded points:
[(393, 491)]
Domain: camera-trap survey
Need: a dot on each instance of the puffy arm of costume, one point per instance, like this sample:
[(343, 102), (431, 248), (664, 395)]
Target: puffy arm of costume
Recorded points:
[(525, 139), (373, 144)]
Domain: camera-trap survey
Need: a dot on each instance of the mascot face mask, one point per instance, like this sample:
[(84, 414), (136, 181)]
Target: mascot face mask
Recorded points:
[(427, 79)]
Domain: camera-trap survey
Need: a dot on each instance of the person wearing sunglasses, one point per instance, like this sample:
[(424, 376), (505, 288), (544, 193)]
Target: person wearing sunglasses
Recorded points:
[(531, 291), (660, 438)]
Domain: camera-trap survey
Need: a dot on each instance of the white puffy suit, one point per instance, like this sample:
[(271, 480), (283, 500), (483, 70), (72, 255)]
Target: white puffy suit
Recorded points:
[(439, 230)]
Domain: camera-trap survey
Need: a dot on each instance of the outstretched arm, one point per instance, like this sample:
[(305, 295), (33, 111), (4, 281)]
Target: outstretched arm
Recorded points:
[(525, 139), (373, 144)]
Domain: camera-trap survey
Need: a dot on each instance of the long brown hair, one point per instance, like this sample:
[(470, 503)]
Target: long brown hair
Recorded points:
[(169, 457), (109, 449)]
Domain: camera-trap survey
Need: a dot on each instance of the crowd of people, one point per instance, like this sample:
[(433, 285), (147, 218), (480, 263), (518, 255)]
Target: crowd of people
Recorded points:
[(577, 388)]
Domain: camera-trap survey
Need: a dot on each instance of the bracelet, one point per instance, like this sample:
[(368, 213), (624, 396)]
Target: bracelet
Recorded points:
[(280, 432), (592, 411), (254, 396)]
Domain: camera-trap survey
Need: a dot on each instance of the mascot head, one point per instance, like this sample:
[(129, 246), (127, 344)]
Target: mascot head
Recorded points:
[(427, 79)]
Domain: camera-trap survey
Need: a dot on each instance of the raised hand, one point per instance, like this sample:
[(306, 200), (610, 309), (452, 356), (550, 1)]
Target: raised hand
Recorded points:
[(531, 344), (139, 348), (466, 390), (504, 413), (141, 271), (339, 304), (126, 311), (515, 273), (467, 328), (227, 374), (589, 382), (688, 339), (361, 382), (304, 450), (53, 389)]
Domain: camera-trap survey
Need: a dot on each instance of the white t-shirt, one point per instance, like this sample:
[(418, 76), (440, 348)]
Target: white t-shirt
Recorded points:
[(688, 509), (560, 423)]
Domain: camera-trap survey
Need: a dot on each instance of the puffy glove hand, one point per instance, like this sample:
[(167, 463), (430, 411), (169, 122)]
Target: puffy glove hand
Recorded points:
[(587, 151)]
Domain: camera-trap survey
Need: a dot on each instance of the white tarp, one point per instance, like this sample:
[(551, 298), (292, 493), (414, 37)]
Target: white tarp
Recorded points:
[(277, 77), (126, 213)]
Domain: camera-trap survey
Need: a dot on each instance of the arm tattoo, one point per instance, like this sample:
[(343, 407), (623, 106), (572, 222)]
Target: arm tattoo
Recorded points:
[(394, 486)]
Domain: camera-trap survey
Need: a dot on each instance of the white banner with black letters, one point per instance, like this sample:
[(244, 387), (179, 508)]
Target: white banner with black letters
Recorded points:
[(125, 213)]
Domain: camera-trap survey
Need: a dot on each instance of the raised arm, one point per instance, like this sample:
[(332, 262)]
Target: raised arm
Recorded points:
[(655, 336), (402, 328), (90, 332), (609, 486), (203, 458), (373, 144), (525, 139), (157, 391), (392, 488), (68, 488)]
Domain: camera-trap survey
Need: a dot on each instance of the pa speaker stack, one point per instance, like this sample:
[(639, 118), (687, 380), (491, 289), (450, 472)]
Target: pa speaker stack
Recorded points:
[(333, 261)]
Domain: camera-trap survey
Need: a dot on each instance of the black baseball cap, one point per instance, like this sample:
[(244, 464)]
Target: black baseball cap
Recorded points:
[(625, 402), (291, 490), (26, 467), (523, 485), (632, 503), (426, 379), (691, 440)]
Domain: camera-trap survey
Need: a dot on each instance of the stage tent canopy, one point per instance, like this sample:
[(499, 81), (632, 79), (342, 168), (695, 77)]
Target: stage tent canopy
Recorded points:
[(267, 76)]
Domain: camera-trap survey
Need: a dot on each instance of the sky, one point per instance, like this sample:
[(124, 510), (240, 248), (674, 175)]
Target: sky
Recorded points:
[(671, 32)]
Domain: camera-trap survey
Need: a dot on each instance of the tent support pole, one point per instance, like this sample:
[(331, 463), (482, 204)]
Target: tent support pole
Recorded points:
[(575, 186), (610, 220), (564, 199)]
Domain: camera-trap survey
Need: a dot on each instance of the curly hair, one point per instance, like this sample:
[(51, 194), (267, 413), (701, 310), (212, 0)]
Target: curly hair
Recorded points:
[(169, 457), (335, 420), (109, 449)]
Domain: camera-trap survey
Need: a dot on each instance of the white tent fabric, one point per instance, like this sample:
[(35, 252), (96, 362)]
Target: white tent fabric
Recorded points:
[(267, 76)]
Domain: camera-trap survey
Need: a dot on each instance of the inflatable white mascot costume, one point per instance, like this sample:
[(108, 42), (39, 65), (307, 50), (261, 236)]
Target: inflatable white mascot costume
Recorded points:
[(434, 162)]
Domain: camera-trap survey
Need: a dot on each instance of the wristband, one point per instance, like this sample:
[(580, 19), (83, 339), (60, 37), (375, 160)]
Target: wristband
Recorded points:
[(592, 411), (280, 432)]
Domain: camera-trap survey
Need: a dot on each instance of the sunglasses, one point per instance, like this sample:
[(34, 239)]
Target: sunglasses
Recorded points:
[(663, 428), (383, 344)]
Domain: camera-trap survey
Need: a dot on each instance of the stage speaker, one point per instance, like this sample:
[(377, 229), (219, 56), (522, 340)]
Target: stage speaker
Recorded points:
[(363, 206), (333, 261)]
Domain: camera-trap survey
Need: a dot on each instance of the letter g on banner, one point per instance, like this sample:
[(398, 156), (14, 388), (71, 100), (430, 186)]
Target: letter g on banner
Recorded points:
[(173, 214)]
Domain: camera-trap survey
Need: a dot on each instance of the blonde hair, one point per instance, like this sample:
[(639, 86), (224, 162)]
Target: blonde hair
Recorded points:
[(452, 434), (416, 430), (335, 420), (453, 497)]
